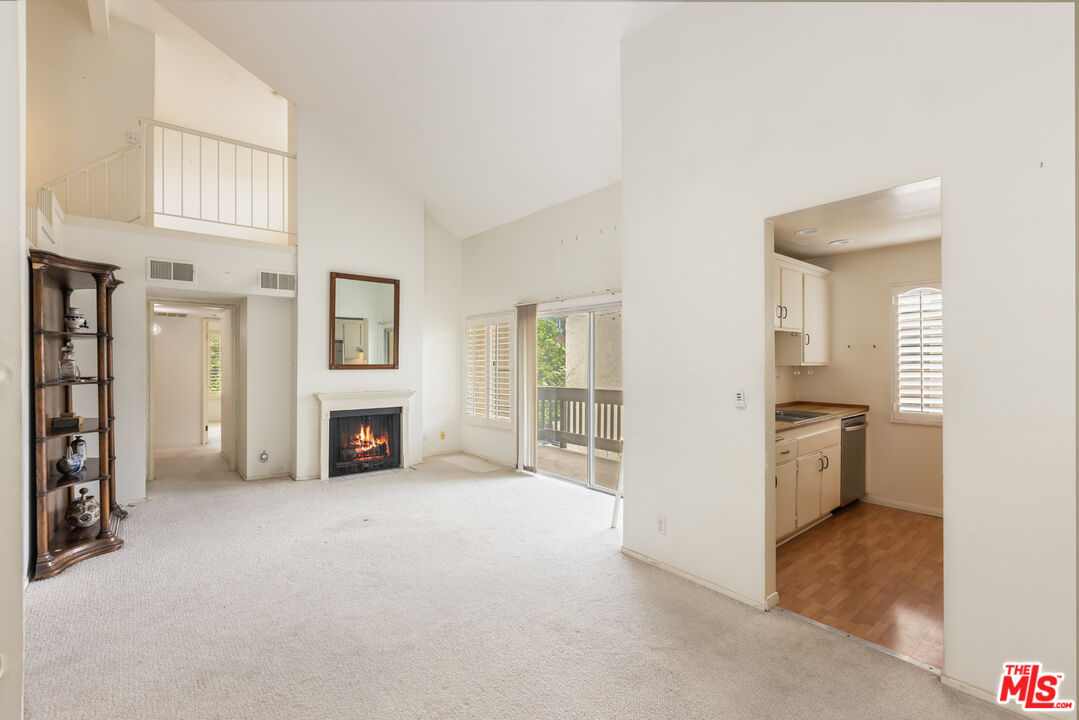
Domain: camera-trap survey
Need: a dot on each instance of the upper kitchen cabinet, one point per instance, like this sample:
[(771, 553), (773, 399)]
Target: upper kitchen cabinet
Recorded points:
[(788, 297), (802, 313)]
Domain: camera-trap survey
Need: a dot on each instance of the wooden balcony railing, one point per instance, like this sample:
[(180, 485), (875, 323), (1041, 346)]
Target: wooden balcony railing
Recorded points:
[(562, 417)]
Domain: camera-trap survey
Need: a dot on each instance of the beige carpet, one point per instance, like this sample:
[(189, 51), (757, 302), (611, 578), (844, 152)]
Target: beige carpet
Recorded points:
[(433, 593)]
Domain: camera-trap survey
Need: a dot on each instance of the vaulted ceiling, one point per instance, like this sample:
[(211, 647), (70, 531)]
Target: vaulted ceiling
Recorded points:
[(488, 110)]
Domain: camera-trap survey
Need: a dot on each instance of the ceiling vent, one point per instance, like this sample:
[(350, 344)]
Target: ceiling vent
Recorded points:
[(176, 271), (277, 281)]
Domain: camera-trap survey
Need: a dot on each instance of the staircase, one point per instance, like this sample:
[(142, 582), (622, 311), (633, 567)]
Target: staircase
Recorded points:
[(177, 178)]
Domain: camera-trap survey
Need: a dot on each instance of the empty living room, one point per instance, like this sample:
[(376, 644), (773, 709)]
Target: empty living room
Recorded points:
[(498, 359)]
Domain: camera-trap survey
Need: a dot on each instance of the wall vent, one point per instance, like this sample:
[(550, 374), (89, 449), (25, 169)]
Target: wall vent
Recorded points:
[(170, 270), (271, 280)]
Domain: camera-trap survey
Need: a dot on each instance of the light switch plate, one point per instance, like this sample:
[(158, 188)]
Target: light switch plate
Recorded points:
[(740, 399)]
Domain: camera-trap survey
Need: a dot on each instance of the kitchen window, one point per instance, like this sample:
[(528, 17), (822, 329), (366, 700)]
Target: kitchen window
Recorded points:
[(488, 371), (918, 380)]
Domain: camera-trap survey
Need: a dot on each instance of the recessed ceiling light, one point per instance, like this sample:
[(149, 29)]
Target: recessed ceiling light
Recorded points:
[(844, 241), (807, 231)]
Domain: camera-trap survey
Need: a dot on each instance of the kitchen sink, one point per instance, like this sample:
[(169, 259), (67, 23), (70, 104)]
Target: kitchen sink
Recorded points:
[(797, 416)]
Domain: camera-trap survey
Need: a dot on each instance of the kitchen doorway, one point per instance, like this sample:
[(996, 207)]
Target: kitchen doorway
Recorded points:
[(579, 395), (855, 483)]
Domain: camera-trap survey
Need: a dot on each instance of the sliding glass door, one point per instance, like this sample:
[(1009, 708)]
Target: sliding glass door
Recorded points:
[(579, 396)]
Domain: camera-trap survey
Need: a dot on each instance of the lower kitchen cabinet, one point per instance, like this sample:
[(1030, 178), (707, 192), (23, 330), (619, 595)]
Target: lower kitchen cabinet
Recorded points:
[(786, 497), (808, 503), (829, 479)]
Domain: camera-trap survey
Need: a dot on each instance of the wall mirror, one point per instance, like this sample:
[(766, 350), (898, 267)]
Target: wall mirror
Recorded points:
[(364, 314)]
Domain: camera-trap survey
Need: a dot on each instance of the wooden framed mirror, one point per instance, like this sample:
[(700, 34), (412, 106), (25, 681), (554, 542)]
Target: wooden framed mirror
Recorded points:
[(364, 322)]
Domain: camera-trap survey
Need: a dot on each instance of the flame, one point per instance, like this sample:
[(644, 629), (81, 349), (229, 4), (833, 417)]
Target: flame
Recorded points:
[(364, 445)]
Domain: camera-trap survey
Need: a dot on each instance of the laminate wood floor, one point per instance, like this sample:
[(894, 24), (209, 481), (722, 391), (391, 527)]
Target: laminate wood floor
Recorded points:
[(874, 572)]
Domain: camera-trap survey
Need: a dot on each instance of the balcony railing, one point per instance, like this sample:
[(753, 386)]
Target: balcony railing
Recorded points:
[(562, 417), (186, 179)]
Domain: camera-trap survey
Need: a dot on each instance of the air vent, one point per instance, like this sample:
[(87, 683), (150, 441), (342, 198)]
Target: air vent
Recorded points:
[(170, 314), (270, 280), (170, 270)]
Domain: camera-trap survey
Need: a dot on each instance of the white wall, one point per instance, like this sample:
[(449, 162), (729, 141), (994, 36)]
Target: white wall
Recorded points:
[(443, 332), (564, 250), (84, 90), (729, 118), (905, 461), (14, 374), (354, 219), (177, 381), (200, 87), (269, 386), (226, 269)]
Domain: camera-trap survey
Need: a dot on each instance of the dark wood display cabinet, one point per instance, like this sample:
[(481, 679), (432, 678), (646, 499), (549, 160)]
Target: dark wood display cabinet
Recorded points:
[(56, 544)]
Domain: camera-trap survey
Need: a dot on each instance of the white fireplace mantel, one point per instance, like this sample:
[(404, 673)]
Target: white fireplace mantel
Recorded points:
[(329, 402)]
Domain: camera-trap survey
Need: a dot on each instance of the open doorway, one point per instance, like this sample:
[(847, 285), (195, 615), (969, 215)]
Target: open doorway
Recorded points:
[(857, 316), (192, 393)]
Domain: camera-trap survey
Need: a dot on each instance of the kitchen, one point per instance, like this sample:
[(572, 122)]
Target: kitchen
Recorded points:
[(858, 326)]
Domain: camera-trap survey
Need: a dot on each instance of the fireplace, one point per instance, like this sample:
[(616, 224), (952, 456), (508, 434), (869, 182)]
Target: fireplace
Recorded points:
[(364, 440)]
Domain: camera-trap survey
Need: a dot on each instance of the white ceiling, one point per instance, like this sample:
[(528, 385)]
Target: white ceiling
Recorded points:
[(904, 214), (488, 110)]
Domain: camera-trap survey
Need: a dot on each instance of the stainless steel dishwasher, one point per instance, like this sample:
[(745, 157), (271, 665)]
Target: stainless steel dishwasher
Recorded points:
[(852, 466)]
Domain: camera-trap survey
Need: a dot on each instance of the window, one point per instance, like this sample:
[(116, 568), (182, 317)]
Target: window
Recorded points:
[(488, 371), (919, 353), (213, 363)]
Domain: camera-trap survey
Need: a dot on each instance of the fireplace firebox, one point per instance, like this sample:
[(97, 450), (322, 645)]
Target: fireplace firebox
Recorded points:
[(364, 440)]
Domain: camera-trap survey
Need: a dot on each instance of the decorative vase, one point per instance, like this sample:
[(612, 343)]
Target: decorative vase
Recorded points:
[(83, 511), (75, 320), (68, 369), (78, 446), (70, 463)]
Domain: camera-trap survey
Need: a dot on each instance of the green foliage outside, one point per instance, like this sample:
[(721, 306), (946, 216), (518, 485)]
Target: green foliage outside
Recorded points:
[(215, 364), (551, 352)]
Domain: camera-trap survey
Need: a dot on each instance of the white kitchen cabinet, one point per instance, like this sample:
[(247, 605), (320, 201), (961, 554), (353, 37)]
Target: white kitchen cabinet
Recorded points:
[(829, 479), (786, 498), (803, 314), (816, 340), (777, 296), (790, 282), (808, 497)]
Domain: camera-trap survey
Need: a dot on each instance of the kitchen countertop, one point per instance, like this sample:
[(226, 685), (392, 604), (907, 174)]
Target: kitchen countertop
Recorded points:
[(836, 411)]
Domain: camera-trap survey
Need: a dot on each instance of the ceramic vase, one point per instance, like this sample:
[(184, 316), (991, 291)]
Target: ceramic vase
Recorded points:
[(70, 463), (84, 511)]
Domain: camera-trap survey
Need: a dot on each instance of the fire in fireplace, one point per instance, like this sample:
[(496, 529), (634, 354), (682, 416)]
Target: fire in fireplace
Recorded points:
[(364, 440)]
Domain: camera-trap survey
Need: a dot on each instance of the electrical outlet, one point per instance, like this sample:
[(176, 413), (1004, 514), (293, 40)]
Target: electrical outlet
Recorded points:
[(661, 525), (131, 137), (443, 434), (777, 377), (740, 399)]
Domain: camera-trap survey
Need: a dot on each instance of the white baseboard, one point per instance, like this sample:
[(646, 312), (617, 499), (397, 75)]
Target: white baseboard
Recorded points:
[(988, 697), (924, 510), (693, 578), (500, 463), (302, 478), (136, 501), (271, 476), (181, 446), (771, 601)]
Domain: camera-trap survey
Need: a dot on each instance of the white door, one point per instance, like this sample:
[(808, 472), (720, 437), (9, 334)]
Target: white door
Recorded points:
[(815, 334), (791, 282)]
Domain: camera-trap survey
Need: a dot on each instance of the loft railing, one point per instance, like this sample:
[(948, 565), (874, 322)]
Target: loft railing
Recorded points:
[(185, 179), (198, 176), (562, 417), (109, 188)]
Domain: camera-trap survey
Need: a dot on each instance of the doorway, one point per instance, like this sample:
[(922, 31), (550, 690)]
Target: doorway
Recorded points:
[(855, 483), (192, 384), (579, 395)]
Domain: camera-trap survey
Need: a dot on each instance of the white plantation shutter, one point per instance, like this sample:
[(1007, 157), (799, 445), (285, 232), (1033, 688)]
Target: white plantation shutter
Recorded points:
[(919, 353), (501, 389), (489, 372)]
